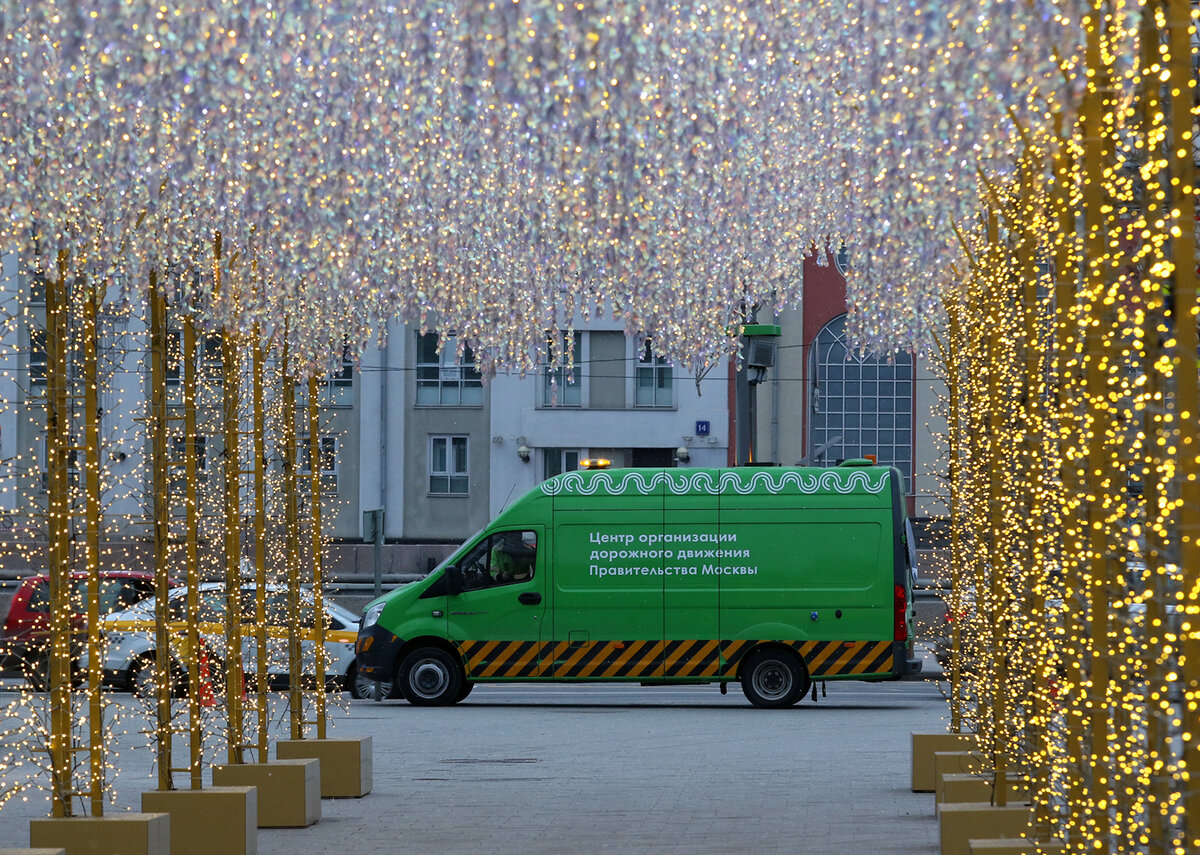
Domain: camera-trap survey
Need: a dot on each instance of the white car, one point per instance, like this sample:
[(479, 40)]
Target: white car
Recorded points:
[(130, 640)]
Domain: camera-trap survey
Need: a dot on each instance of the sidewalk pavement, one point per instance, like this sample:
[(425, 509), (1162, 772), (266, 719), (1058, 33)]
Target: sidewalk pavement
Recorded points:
[(610, 769)]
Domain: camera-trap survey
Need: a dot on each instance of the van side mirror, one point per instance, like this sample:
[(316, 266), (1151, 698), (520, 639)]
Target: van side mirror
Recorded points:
[(454, 580)]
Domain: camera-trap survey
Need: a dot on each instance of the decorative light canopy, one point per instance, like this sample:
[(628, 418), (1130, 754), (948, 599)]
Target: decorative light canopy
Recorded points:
[(505, 168)]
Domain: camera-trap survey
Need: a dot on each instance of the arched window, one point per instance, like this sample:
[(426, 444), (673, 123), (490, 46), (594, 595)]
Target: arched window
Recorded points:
[(860, 405)]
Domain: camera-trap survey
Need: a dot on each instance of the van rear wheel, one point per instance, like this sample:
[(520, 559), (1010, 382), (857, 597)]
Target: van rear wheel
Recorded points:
[(431, 677), (773, 679)]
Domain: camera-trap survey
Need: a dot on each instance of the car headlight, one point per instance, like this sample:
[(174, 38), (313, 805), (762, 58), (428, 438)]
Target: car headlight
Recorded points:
[(372, 615)]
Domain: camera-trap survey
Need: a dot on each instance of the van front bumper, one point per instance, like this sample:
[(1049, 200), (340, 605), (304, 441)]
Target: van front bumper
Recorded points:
[(375, 653)]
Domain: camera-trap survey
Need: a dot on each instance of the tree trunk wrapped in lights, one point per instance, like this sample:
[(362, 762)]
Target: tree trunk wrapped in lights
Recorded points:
[(1102, 571), (160, 520), (315, 460)]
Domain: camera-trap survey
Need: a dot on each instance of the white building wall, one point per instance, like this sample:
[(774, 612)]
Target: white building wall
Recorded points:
[(518, 420), (381, 421), (124, 399)]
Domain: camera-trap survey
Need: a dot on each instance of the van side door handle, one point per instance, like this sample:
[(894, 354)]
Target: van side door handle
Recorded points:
[(530, 598)]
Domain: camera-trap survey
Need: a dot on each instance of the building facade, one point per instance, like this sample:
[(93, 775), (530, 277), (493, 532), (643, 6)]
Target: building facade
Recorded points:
[(411, 428), (825, 401)]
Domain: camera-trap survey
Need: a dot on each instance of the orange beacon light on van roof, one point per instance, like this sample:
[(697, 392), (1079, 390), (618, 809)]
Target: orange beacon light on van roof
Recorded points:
[(595, 463)]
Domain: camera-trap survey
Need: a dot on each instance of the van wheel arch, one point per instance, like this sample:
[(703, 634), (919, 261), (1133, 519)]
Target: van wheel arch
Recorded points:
[(774, 676), (425, 641)]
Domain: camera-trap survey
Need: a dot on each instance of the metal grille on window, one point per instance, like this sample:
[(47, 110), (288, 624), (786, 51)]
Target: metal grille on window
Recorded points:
[(861, 404)]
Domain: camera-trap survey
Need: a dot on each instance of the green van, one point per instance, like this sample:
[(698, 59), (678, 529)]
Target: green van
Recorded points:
[(773, 577)]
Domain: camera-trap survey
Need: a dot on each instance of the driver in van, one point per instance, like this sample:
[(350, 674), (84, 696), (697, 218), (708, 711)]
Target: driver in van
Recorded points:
[(512, 558)]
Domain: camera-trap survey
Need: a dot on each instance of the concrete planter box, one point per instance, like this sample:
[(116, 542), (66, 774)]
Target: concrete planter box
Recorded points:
[(955, 763), (1014, 846), (193, 831), (923, 747), (978, 788), (119, 834), (347, 770), (967, 821), (289, 791)]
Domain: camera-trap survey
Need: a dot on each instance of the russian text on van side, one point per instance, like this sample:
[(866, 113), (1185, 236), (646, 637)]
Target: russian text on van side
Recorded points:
[(705, 570), (648, 539)]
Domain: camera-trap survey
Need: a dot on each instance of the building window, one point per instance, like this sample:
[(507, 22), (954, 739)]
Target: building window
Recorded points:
[(37, 356), (556, 461), (654, 385), (563, 387), (37, 289), (860, 404), (344, 376), (327, 452), (174, 369), (209, 357), (41, 448), (179, 457), (443, 380), (449, 463)]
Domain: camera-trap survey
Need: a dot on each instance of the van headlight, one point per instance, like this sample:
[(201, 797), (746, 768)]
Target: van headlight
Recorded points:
[(372, 615)]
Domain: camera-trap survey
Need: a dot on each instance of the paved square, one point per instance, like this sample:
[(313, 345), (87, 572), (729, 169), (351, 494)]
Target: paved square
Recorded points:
[(602, 768)]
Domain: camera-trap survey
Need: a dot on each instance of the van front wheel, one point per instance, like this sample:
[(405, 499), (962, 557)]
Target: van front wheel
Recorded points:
[(773, 679), (431, 677)]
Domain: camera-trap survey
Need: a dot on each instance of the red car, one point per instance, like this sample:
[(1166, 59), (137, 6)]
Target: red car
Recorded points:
[(23, 641)]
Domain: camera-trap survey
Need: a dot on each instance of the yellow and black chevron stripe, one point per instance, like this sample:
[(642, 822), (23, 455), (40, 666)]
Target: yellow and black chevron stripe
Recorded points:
[(702, 658), (824, 658), (846, 658)]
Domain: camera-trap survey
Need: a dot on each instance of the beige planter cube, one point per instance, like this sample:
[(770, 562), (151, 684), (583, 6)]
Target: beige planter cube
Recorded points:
[(954, 763), (967, 821), (289, 791), (193, 831), (1014, 846), (977, 787), (116, 834), (347, 771), (923, 747)]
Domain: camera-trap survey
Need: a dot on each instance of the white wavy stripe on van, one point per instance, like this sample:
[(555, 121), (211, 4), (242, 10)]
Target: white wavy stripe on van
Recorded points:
[(829, 480)]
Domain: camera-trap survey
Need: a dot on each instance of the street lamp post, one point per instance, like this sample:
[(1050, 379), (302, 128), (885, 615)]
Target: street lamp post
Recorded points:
[(758, 354)]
